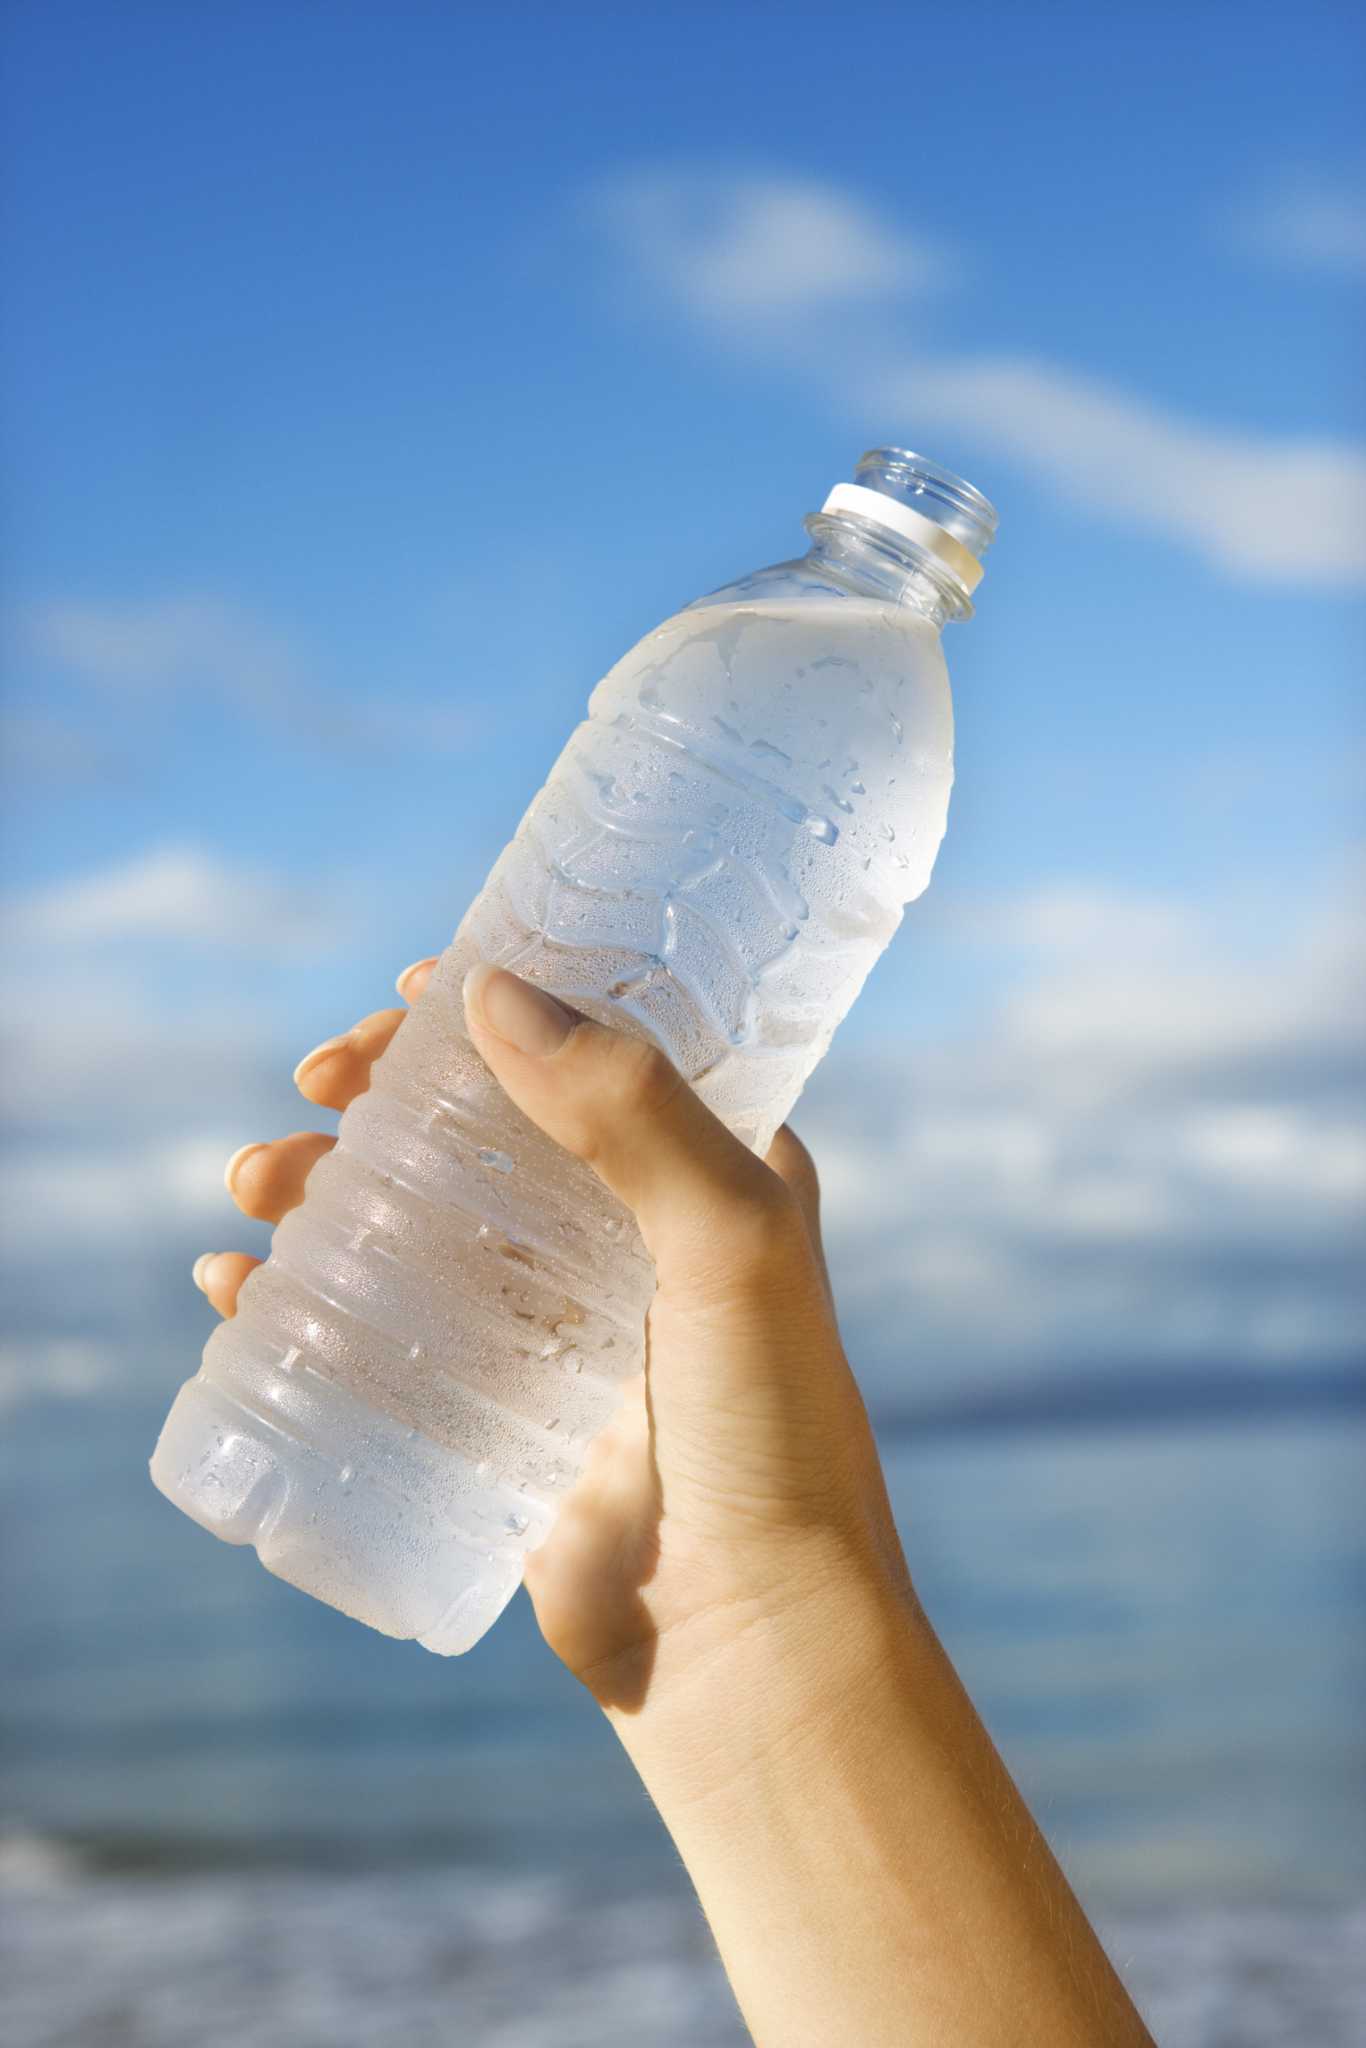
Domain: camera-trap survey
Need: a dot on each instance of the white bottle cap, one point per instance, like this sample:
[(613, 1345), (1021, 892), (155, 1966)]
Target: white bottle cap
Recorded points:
[(927, 535)]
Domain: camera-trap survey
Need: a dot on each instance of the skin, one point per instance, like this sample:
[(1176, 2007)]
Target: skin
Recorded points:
[(728, 1582)]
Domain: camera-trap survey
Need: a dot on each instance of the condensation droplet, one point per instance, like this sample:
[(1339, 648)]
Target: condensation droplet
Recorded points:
[(499, 1161)]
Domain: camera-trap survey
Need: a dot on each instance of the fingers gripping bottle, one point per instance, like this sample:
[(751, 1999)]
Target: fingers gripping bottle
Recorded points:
[(721, 853)]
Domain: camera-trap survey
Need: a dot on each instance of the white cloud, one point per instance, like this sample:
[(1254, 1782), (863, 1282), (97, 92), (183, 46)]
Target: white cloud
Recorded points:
[(758, 259), (1252, 1144), (1068, 917), (175, 893), (174, 643), (1280, 509), (1151, 1154), (70, 1367), (202, 648), (112, 1197), (1306, 224), (753, 248)]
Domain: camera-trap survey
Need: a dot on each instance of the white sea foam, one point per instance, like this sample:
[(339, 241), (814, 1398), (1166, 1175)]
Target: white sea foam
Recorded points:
[(252, 1960)]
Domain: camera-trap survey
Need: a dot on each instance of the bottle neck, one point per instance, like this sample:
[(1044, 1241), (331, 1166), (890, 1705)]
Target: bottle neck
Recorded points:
[(880, 564), (907, 530)]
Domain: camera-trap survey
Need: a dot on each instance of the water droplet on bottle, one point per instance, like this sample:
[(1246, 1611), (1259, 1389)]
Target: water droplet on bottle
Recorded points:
[(821, 828), (499, 1161), (769, 753)]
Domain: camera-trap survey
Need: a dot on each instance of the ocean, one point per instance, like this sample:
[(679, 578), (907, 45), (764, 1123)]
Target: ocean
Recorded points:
[(229, 1816)]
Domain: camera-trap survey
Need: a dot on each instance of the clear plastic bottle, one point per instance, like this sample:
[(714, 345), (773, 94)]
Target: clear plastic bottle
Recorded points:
[(721, 853)]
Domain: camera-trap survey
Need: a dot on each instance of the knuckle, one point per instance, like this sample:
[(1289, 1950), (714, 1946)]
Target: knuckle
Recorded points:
[(253, 1182), (372, 1033), (796, 1165), (644, 1079)]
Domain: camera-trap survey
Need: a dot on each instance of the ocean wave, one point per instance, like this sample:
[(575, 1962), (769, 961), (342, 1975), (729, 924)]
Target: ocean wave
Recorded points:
[(297, 1960)]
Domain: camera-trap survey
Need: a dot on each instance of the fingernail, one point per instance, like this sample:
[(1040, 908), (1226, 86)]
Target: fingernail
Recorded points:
[(319, 1052), (230, 1170), (518, 1011), (429, 960), (200, 1273)]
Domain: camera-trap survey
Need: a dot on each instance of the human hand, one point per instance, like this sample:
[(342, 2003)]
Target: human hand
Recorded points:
[(739, 1474)]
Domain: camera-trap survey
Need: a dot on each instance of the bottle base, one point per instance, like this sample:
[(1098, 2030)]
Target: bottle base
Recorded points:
[(333, 1530)]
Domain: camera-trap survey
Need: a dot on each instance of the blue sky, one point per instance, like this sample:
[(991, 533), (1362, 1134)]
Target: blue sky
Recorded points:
[(375, 375)]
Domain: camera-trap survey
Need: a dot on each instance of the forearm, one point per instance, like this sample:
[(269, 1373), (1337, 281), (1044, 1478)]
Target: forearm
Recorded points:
[(868, 1868)]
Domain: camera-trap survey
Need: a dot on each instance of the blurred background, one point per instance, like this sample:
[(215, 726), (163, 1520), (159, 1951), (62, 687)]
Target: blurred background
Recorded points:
[(374, 375)]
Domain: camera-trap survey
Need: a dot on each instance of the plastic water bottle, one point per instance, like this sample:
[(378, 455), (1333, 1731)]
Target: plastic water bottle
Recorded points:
[(722, 851)]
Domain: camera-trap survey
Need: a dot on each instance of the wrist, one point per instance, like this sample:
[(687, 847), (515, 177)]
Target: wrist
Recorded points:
[(750, 1685)]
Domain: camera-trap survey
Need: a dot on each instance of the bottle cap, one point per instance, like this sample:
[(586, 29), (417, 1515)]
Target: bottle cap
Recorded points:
[(927, 534)]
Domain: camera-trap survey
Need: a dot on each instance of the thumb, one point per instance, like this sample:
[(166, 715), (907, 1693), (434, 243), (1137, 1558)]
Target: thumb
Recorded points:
[(619, 1104)]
